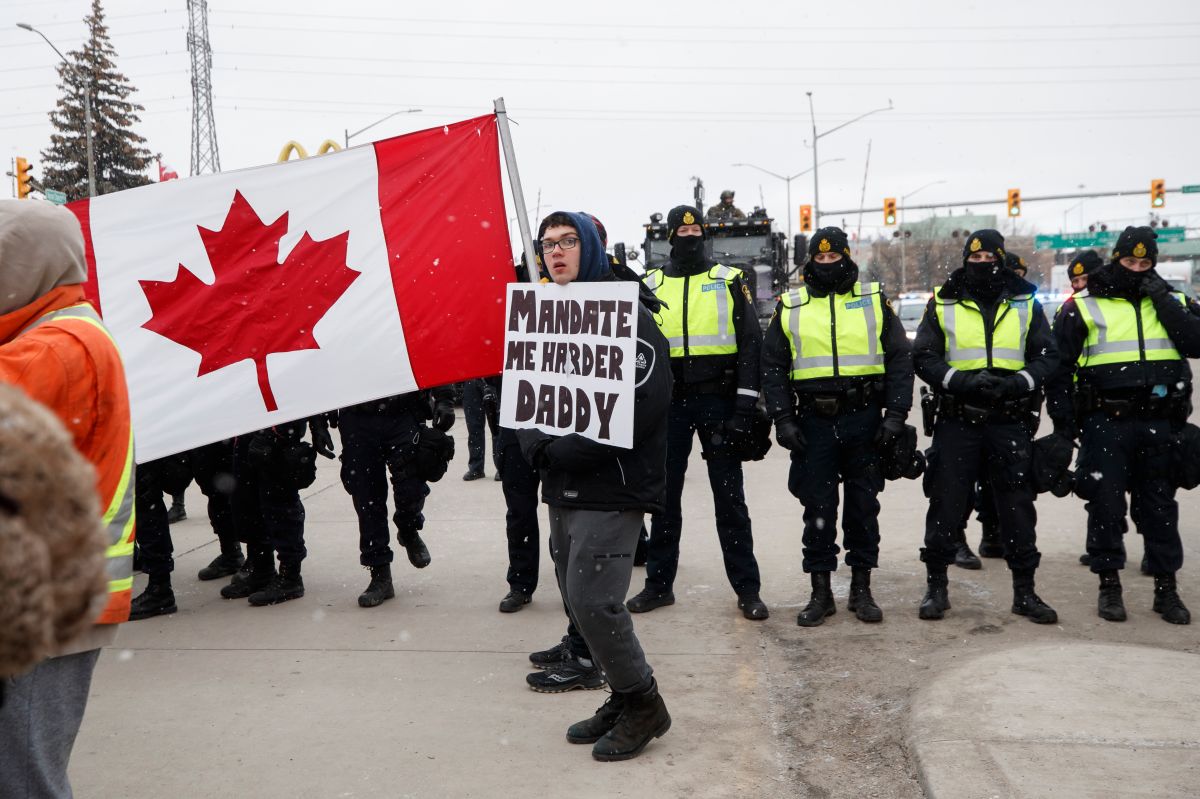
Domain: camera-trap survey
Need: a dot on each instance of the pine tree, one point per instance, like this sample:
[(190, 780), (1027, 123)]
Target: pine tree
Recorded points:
[(120, 156)]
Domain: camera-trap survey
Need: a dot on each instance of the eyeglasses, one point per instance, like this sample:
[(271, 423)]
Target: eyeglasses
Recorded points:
[(569, 243)]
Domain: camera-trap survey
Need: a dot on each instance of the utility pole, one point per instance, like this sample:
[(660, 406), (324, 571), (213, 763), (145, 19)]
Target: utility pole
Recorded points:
[(205, 157)]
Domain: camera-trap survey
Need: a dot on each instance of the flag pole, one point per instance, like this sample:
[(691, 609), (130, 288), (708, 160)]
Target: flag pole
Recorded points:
[(514, 182)]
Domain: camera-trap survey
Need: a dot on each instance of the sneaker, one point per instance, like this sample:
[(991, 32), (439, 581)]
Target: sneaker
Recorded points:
[(568, 675), (549, 658), (514, 601)]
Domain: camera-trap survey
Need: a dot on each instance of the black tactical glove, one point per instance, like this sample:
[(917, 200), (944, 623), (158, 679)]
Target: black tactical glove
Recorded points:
[(318, 427), (979, 383), (491, 399), (1007, 387), (890, 430), (739, 426), (443, 414), (538, 457), (1153, 285), (1066, 430), (789, 435)]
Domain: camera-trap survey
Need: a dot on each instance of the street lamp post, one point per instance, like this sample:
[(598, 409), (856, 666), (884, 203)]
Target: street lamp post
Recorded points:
[(87, 107), (903, 243), (788, 181), (350, 135), (816, 137)]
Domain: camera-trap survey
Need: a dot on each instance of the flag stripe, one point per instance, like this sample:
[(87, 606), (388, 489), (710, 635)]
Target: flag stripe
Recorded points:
[(83, 212)]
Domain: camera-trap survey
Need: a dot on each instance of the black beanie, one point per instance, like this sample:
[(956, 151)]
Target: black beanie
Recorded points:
[(829, 239), (1015, 262), (986, 240), (1138, 242), (1084, 263), (684, 215)]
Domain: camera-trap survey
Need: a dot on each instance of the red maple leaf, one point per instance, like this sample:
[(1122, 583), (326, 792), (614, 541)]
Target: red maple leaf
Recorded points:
[(255, 306)]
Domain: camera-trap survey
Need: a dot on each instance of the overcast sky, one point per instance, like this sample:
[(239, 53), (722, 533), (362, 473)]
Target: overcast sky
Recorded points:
[(620, 103)]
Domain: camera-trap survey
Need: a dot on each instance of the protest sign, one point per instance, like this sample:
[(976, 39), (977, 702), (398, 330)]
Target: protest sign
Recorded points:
[(569, 359)]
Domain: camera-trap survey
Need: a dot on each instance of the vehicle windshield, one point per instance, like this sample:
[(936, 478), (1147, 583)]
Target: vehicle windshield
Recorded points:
[(911, 310), (741, 247)]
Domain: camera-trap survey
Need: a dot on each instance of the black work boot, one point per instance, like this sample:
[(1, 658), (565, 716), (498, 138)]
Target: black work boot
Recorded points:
[(379, 589), (644, 718), (159, 600), (177, 512), (591, 730), (990, 545), (253, 576), (223, 565), (1167, 602), (514, 600), (820, 604), (284, 586), (753, 607), (648, 599), (1026, 602), (936, 601), (1085, 559), (1109, 604), (964, 558), (418, 553), (861, 601)]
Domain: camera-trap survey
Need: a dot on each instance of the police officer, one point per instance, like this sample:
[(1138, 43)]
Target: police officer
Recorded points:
[(1124, 386), (834, 357), (268, 469), (481, 412), (985, 348), (375, 440), (725, 210), (710, 323)]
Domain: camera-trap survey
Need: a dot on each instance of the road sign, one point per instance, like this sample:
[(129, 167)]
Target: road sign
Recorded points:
[(1100, 238), (1191, 189), (55, 196)]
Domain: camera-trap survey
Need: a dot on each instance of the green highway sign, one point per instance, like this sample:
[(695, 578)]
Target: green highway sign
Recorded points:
[(1192, 189), (55, 196), (1100, 238)]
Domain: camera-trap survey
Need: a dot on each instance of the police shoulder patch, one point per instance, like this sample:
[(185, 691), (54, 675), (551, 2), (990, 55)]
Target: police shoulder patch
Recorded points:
[(746, 294)]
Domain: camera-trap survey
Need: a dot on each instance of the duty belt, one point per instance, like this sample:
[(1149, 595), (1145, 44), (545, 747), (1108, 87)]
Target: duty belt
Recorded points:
[(981, 411), (834, 403), (1123, 404)]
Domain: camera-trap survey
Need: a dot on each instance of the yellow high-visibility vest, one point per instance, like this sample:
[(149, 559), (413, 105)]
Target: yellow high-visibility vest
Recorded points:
[(838, 336), (698, 319), (1122, 331), (967, 344)]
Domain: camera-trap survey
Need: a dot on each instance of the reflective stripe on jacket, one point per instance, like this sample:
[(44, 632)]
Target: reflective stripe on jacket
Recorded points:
[(969, 345), (698, 319), (1121, 331), (838, 336)]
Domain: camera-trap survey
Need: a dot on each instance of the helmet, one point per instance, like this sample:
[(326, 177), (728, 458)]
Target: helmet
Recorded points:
[(727, 194)]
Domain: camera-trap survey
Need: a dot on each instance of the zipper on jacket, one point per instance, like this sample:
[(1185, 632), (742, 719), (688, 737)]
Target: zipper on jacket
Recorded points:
[(833, 334), (686, 291), (1137, 314)]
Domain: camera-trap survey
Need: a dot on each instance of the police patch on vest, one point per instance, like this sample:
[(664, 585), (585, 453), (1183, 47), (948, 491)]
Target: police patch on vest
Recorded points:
[(713, 286), (862, 302)]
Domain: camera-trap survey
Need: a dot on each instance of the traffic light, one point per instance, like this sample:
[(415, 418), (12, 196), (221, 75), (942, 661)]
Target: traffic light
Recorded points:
[(889, 211), (1158, 193), (806, 218), (1014, 202), (23, 178)]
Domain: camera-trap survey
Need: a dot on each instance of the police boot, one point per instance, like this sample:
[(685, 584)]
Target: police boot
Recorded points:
[(643, 718), (990, 545), (1026, 602), (649, 599), (418, 553), (937, 596), (223, 565), (1167, 602), (380, 587), (159, 600), (861, 601), (591, 730), (177, 512), (1109, 603), (820, 604), (255, 575), (964, 558), (284, 586)]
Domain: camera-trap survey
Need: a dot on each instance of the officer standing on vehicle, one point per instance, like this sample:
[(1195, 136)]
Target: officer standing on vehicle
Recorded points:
[(1124, 386), (834, 357), (378, 437), (709, 320), (725, 210), (985, 348)]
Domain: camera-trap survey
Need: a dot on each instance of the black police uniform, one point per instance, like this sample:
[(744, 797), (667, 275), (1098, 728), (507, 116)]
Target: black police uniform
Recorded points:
[(708, 391), (481, 407), (1126, 414), (983, 421), (839, 419)]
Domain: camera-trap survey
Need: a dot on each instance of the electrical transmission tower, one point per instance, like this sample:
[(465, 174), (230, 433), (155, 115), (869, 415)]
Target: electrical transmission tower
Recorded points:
[(205, 157)]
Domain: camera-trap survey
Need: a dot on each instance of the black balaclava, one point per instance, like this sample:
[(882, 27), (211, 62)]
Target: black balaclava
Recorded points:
[(1139, 242), (837, 276), (687, 251), (984, 280)]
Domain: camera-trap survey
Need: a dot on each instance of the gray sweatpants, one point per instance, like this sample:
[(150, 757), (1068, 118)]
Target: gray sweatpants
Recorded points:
[(39, 720), (593, 557)]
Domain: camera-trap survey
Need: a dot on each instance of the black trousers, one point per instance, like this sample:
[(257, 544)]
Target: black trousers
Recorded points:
[(840, 452), (268, 515), (1128, 456), (212, 466), (962, 454), (370, 439), (476, 415), (153, 532), (702, 414), (520, 482)]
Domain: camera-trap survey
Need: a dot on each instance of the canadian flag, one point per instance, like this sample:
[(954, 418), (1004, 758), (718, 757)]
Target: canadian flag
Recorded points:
[(166, 172), (246, 299)]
